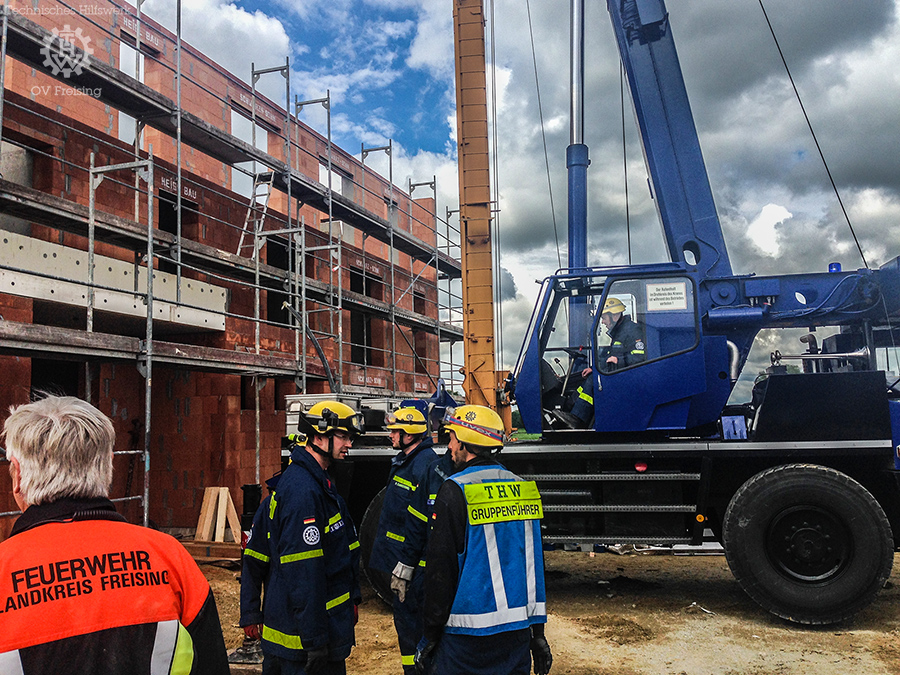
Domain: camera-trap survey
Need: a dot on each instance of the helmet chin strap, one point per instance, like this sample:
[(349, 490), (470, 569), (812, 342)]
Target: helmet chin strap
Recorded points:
[(325, 453), (415, 440)]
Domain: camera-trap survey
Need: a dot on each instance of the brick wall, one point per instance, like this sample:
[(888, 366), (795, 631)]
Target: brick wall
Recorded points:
[(201, 436)]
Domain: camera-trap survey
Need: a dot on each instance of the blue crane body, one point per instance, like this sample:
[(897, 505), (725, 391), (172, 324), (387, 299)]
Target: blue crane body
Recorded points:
[(784, 482), (799, 486)]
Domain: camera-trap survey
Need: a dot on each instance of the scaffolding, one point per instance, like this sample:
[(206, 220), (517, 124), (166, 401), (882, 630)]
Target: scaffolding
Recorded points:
[(181, 279)]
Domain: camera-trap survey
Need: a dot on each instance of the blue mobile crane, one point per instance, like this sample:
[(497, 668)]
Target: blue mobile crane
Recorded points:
[(799, 485)]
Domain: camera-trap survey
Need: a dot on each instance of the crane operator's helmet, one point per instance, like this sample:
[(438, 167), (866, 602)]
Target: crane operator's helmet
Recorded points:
[(409, 420), (477, 427), (326, 417), (613, 306)]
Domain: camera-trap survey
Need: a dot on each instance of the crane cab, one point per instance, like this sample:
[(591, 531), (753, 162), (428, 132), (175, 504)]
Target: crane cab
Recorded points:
[(668, 376)]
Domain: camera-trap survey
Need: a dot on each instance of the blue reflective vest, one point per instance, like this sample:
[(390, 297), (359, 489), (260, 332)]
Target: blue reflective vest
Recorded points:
[(501, 577), (407, 472)]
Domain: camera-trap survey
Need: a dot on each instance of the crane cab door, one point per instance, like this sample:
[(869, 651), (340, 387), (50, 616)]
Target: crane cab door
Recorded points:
[(653, 369)]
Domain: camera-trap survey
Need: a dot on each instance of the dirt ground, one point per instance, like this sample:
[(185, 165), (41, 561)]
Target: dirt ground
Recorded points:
[(640, 614)]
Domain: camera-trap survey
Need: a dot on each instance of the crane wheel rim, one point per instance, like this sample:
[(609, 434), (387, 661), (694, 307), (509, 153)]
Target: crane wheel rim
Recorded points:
[(809, 544)]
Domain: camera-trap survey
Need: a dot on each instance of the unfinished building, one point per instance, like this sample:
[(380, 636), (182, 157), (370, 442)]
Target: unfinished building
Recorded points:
[(280, 263)]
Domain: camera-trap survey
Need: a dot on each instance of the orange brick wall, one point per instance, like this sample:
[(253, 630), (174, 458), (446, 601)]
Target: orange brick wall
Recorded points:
[(200, 436)]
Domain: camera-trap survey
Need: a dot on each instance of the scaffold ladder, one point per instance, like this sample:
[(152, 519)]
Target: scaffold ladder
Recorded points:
[(256, 212)]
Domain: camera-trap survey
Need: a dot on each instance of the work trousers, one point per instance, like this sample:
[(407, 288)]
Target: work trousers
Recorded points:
[(408, 621), (289, 667), (501, 654)]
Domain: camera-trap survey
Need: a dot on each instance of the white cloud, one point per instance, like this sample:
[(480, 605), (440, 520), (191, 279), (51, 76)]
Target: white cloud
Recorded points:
[(432, 47), (762, 230)]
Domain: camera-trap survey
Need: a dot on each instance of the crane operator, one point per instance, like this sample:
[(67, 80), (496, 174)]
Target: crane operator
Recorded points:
[(626, 348)]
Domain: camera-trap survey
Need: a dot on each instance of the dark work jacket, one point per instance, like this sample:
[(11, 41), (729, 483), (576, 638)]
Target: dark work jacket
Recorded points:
[(255, 565), (627, 344), (84, 592), (314, 562), (420, 510), (407, 474)]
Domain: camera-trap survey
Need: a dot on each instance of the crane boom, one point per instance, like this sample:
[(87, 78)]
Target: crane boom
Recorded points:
[(483, 383)]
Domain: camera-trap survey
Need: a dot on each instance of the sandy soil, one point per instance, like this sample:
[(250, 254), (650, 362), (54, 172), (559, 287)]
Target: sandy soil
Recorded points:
[(651, 615)]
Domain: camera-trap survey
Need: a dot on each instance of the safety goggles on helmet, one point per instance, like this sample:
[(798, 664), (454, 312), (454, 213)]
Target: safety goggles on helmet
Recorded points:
[(475, 425), (408, 420), (326, 417)]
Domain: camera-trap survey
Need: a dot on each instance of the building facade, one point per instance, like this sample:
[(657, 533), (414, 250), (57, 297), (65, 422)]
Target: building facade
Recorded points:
[(280, 263)]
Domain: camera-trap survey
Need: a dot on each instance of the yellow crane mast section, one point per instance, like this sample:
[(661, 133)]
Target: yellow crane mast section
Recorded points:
[(482, 382)]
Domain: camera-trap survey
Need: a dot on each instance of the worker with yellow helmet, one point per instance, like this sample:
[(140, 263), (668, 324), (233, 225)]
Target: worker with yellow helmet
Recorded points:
[(408, 428), (485, 604), (626, 348), (309, 611)]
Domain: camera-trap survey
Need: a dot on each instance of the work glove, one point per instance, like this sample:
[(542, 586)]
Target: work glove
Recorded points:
[(316, 660), (540, 655), (400, 579), (424, 658), (253, 631)]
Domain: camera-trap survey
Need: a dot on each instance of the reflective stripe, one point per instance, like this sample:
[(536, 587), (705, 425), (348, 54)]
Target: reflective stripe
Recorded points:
[(404, 483), (530, 572), (272, 507), (173, 649), (408, 659), (337, 601), (10, 663), (493, 554), (637, 351), (183, 660), (585, 397), (422, 563), (293, 557), (336, 518), (256, 554), (279, 638), (397, 537), (354, 545), (497, 618), (420, 516), (487, 474), (163, 654)]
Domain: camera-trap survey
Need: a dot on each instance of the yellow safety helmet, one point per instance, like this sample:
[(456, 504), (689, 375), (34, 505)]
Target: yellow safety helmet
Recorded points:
[(475, 425), (326, 417), (408, 420), (613, 306)]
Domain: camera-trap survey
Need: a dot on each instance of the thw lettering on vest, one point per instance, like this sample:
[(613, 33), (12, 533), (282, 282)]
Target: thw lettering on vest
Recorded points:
[(503, 501)]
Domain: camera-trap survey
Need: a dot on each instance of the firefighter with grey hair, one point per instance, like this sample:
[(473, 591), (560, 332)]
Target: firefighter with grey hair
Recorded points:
[(80, 586)]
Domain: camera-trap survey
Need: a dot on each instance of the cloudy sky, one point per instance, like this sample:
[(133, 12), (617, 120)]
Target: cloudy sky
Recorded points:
[(389, 67)]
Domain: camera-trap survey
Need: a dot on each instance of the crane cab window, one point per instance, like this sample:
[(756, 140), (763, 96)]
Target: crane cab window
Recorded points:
[(643, 320)]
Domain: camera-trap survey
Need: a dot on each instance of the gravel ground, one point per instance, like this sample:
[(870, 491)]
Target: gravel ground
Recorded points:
[(640, 614)]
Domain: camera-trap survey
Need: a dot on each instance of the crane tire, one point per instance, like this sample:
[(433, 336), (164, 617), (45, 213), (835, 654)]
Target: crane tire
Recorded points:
[(368, 530), (808, 543)]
